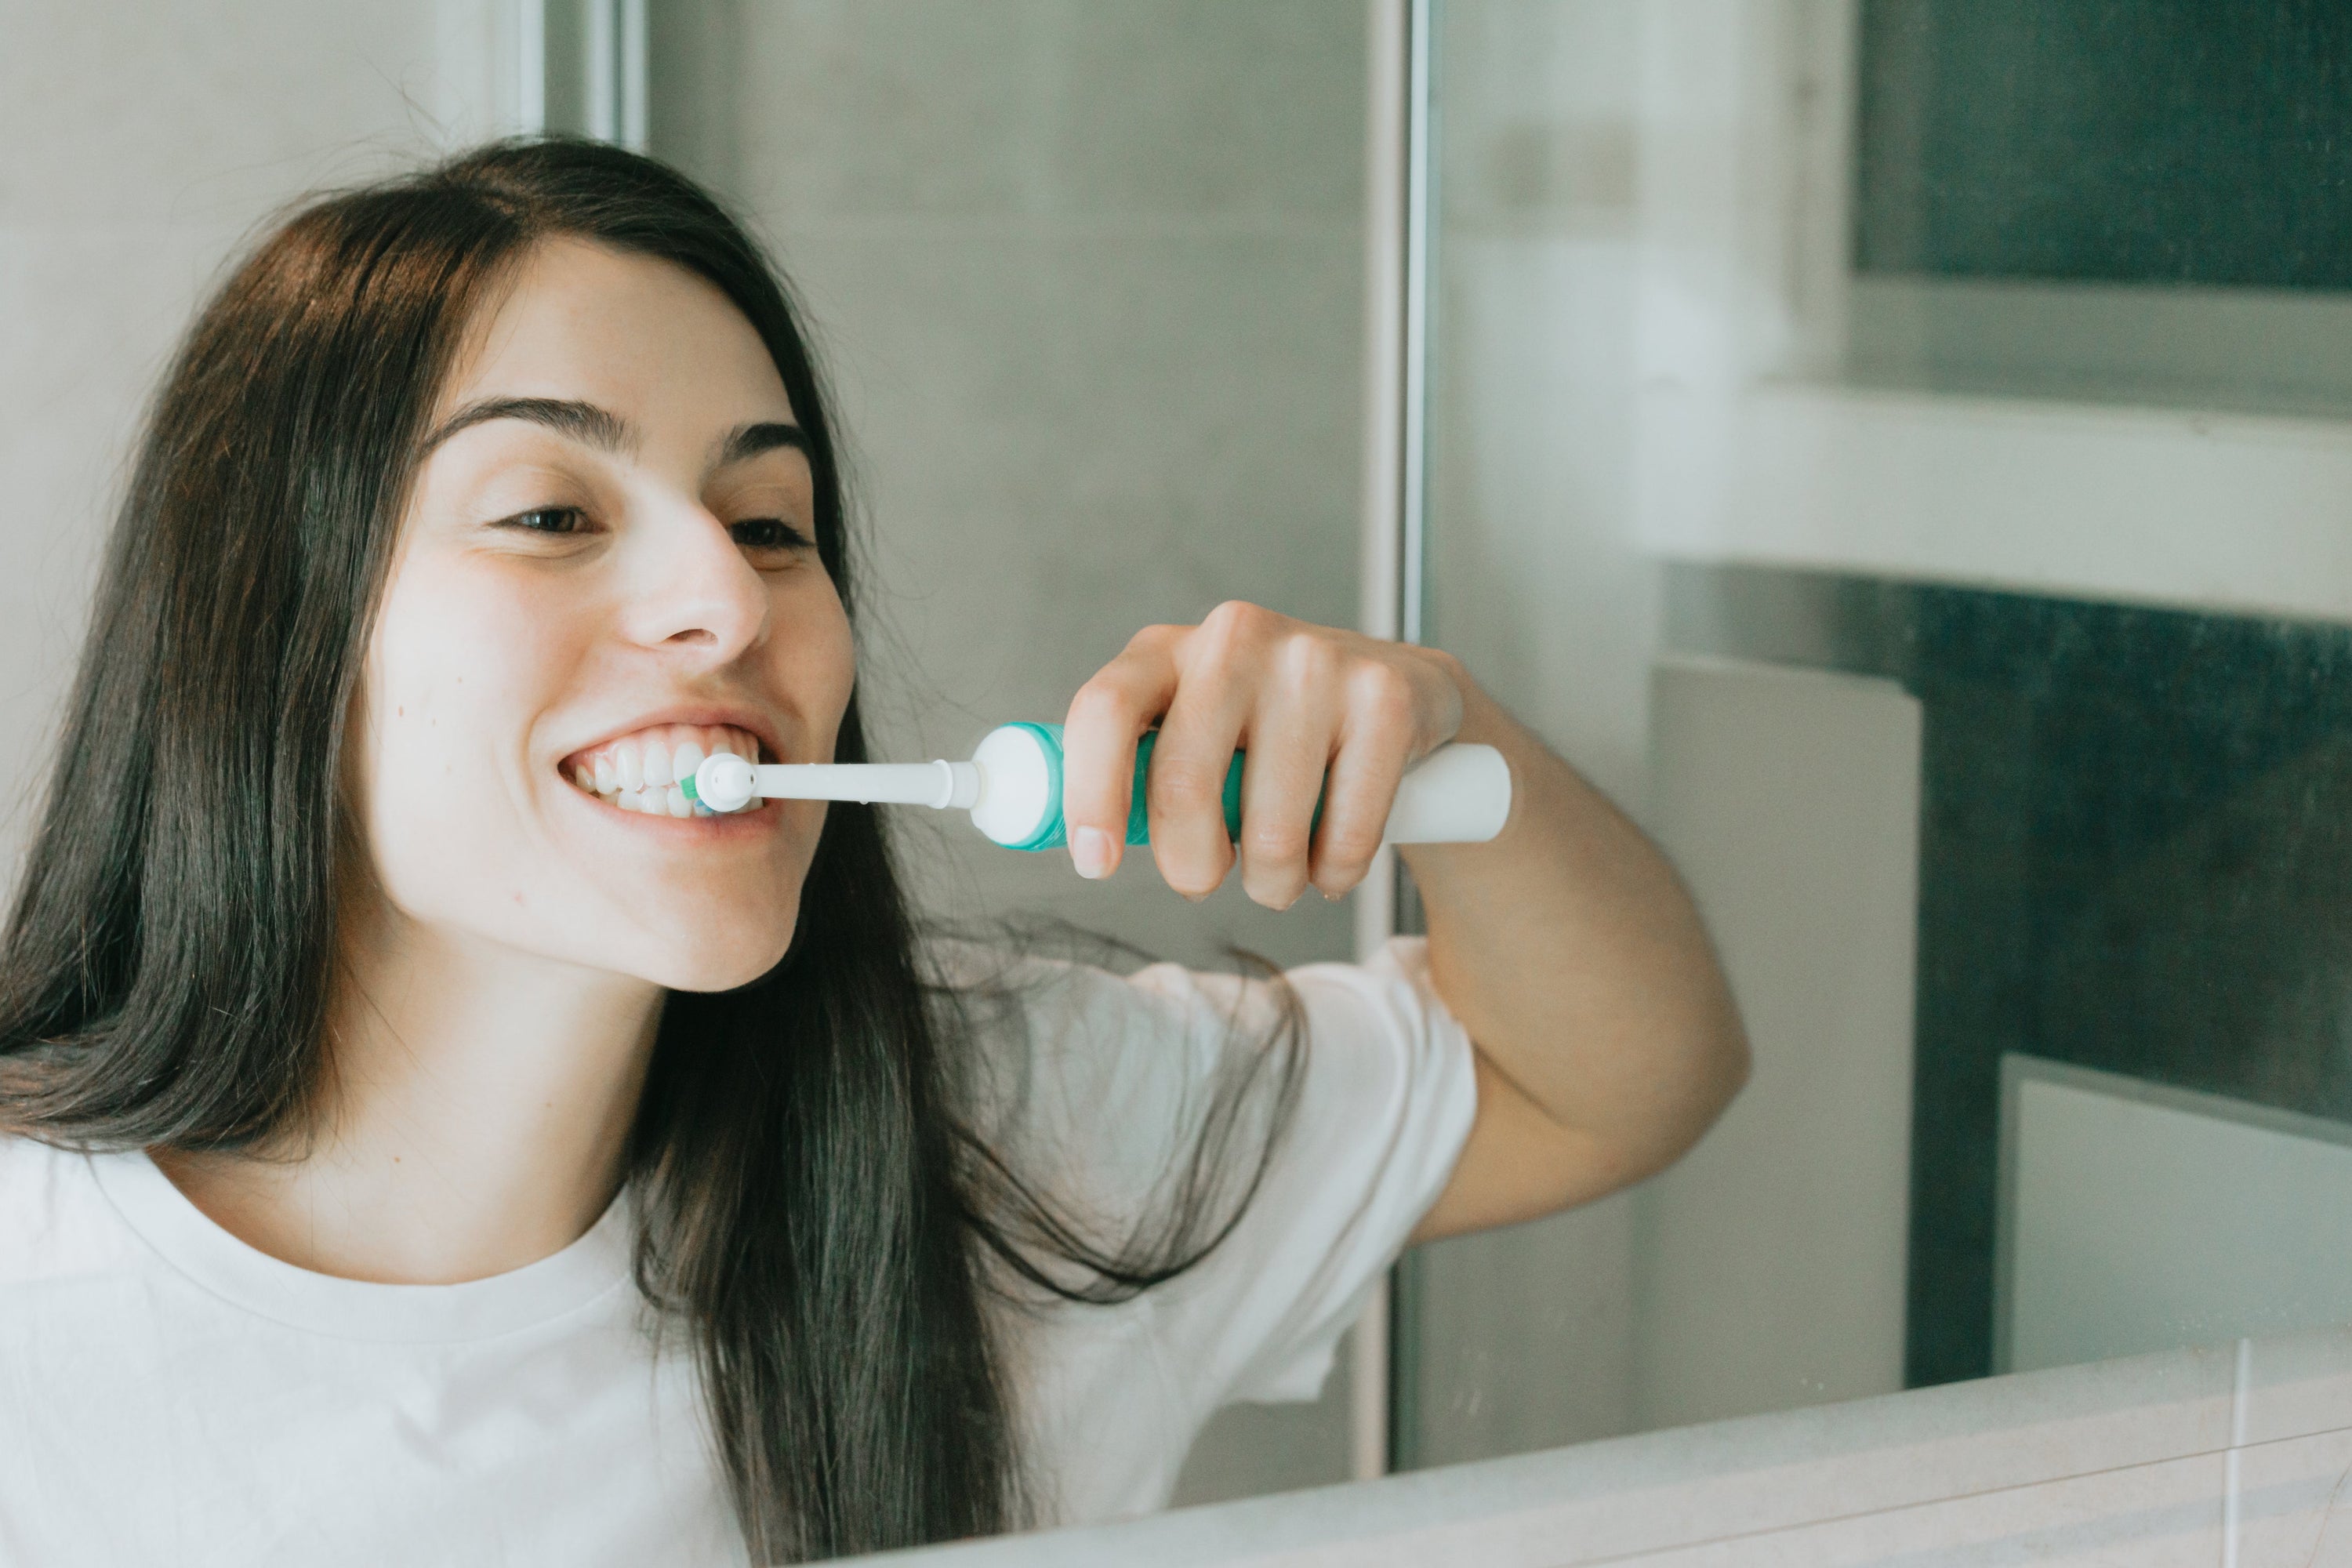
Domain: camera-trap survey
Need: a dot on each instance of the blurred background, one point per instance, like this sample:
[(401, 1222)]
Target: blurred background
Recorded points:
[(1898, 448)]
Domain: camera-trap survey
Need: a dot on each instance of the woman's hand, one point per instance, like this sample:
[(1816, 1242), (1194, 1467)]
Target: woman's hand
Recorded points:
[(1606, 1038), (1302, 699)]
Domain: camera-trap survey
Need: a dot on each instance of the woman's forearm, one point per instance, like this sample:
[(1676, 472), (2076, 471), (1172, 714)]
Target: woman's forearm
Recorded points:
[(1576, 961)]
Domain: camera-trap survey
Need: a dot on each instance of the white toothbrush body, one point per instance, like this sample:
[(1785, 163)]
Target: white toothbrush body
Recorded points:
[(1013, 788)]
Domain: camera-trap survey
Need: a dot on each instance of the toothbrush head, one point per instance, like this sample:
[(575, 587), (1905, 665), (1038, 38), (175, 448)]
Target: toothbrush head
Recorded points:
[(723, 783)]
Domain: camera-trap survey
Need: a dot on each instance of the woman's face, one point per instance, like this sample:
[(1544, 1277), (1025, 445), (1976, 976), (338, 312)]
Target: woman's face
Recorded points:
[(609, 552)]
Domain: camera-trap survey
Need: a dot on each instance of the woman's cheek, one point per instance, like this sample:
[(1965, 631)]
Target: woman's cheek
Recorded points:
[(819, 662), (452, 671)]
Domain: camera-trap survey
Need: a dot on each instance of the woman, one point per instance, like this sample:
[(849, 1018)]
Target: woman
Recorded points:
[(413, 1155)]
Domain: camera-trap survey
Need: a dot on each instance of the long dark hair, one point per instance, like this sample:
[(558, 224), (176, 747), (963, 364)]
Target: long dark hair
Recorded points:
[(815, 1207)]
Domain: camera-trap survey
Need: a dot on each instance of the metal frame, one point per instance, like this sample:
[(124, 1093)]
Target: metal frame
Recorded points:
[(613, 50), (1400, 253)]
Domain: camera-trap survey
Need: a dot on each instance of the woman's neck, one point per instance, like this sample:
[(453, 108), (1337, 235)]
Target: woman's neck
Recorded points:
[(475, 1118)]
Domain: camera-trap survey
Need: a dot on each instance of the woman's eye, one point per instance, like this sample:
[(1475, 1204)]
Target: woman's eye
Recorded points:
[(549, 519), (769, 533)]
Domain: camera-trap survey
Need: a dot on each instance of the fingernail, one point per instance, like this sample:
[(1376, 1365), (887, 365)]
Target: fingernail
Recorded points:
[(1090, 850)]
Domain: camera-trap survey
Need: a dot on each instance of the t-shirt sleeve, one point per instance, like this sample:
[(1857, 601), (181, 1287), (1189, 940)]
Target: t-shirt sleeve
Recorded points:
[(1382, 1110)]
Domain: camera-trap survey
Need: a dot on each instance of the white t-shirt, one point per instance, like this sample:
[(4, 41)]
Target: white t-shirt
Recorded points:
[(169, 1395)]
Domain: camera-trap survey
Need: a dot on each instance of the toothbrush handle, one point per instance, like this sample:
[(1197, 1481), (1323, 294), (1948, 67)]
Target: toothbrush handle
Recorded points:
[(1459, 793), (1138, 819)]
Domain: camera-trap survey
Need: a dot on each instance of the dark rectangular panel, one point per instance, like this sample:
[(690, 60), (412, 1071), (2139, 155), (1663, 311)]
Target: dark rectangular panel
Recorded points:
[(2120, 141)]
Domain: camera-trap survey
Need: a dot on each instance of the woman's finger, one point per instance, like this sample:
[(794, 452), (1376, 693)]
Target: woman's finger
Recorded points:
[(1290, 741), (1376, 745), (1106, 716), (1221, 664)]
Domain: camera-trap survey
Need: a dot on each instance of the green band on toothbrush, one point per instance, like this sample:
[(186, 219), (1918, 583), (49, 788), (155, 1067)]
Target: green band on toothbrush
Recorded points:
[(1052, 832)]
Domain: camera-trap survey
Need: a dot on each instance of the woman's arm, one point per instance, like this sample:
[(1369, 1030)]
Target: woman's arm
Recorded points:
[(1607, 1040)]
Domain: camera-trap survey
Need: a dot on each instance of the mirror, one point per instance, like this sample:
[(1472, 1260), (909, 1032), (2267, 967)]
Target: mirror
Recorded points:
[(1895, 448)]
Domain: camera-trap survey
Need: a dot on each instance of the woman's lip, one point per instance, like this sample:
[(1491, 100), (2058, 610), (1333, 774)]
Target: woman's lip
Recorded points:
[(729, 823)]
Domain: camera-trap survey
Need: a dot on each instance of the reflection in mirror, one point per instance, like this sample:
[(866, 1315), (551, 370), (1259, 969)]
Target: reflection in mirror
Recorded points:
[(2129, 1091), (2028, 897), (1834, 410)]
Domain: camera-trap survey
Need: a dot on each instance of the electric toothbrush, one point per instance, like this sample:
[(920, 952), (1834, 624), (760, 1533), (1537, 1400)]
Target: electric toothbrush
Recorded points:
[(1012, 786)]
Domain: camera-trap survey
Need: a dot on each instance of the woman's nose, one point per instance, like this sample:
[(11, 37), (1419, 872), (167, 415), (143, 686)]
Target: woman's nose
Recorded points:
[(693, 589)]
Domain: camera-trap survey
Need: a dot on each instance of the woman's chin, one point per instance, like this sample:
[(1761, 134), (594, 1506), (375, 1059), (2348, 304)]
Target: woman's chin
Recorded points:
[(721, 962)]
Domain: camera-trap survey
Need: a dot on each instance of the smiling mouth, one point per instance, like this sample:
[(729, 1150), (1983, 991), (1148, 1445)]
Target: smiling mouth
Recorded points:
[(640, 772)]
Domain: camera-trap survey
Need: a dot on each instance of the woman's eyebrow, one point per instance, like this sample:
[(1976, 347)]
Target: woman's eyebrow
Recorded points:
[(583, 422), (751, 440), (602, 428)]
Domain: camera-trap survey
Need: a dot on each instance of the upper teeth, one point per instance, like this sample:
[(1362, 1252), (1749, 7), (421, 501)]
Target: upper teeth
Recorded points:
[(643, 771)]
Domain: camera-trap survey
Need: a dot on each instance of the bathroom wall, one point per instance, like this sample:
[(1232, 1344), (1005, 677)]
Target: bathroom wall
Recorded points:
[(143, 138), (1089, 280)]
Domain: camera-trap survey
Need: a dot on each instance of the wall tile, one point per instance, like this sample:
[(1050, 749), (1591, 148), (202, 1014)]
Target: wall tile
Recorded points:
[(1053, 107), (1528, 1334), (145, 142), (1541, 103), (204, 109), (1247, 1450), (1065, 437)]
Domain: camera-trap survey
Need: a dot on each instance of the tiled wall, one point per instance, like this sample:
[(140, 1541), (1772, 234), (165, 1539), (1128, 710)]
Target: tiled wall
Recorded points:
[(1089, 280), (139, 140)]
